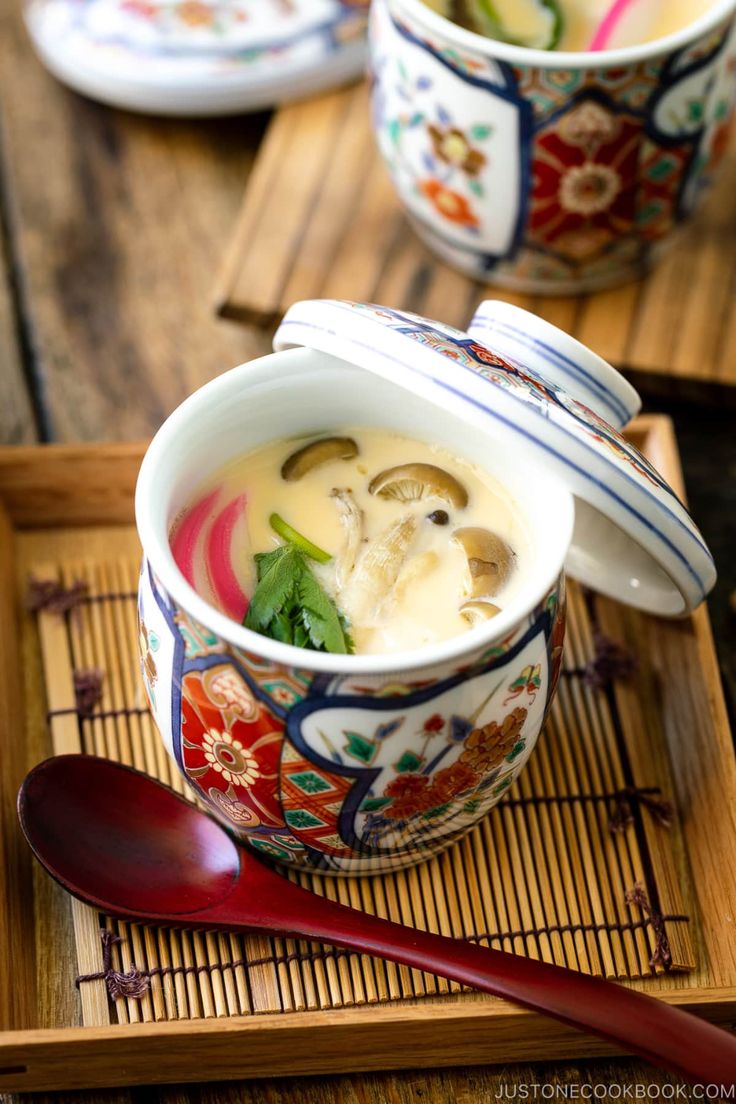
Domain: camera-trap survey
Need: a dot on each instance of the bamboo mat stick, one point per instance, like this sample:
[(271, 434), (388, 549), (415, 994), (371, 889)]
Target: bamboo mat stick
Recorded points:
[(428, 894), (236, 954), (330, 970), (560, 815), (366, 964), (516, 859), (65, 736), (548, 869), (394, 977), (584, 735), (410, 878), (596, 712), (590, 892)]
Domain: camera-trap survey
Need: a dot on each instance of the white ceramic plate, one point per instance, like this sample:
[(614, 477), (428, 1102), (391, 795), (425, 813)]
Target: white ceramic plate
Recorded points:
[(199, 57)]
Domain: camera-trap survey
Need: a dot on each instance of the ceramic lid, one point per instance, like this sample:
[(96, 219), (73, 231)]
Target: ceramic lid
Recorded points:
[(199, 57), (633, 538), (558, 357)]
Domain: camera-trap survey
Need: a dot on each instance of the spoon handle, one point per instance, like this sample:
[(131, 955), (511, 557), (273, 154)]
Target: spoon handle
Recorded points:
[(668, 1037)]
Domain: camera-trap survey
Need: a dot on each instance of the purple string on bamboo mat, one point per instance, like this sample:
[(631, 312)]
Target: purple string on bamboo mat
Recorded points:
[(135, 982), (87, 690), (610, 661), (53, 596), (662, 955)]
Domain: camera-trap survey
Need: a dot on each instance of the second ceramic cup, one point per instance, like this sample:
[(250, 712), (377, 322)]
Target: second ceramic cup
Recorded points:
[(548, 171)]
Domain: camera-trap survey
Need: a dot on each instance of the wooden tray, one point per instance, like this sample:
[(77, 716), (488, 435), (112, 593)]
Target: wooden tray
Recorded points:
[(543, 875), (320, 219)]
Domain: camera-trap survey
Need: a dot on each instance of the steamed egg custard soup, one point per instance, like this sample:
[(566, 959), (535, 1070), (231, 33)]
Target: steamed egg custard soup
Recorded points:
[(359, 541), (572, 24)]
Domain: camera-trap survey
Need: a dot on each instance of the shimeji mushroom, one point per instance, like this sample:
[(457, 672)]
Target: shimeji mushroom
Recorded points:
[(411, 482), (316, 453), (490, 560), (476, 611)]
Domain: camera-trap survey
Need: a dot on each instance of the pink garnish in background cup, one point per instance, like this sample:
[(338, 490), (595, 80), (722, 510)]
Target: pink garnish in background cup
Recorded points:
[(609, 24)]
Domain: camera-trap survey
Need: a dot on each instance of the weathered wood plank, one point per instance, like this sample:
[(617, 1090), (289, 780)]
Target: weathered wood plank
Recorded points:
[(117, 223), (17, 423)]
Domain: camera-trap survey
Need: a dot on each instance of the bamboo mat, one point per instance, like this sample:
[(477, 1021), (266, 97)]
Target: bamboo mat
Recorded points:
[(543, 875), (319, 219)]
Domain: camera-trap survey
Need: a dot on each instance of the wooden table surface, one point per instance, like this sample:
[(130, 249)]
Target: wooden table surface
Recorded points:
[(112, 229)]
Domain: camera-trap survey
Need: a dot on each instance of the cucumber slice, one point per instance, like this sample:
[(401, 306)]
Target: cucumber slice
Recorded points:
[(533, 23)]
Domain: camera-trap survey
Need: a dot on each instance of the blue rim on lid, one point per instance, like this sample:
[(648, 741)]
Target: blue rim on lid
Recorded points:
[(559, 358), (634, 540)]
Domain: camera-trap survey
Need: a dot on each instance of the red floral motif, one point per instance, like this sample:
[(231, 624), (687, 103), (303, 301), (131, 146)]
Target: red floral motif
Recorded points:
[(195, 13), (585, 180), (144, 8), (433, 724), (410, 794), (227, 690), (451, 205), (449, 783), (451, 146), (487, 356), (487, 747), (233, 808), (239, 758)]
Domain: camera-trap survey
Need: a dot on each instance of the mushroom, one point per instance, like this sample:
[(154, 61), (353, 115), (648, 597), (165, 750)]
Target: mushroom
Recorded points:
[(351, 519), (490, 560), (316, 453), (476, 611), (377, 570), (410, 482)]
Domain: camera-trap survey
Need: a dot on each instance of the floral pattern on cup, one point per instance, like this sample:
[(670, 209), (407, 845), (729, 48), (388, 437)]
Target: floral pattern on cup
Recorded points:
[(347, 773), (547, 176), (253, 26)]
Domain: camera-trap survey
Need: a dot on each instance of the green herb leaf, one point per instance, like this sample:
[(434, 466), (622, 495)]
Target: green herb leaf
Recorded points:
[(276, 582), (290, 605)]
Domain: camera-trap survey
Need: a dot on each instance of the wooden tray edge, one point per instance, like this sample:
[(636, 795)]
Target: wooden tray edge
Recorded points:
[(433, 1034)]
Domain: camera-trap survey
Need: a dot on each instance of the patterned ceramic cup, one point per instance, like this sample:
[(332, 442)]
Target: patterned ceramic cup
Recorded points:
[(547, 171), (351, 764)]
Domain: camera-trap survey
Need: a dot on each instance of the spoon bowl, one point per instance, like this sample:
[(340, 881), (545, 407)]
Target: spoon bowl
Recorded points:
[(124, 842), (133, 848)]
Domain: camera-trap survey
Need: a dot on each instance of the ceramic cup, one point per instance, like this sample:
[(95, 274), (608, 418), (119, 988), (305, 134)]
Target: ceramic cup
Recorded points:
[(350, 764), (547, 171)]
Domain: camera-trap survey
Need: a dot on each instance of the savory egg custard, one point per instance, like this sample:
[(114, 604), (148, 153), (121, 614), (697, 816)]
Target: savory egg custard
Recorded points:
[(358, 540)]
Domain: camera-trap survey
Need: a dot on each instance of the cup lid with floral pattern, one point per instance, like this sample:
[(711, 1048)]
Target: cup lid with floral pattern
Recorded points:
[(633, 540), (199, 57)]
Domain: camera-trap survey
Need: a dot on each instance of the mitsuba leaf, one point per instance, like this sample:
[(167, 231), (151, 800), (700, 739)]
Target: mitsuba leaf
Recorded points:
[(291, 606)]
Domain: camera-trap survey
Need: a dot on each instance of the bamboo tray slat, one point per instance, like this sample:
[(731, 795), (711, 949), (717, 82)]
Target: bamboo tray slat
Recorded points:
[(542, 875), (340, 232)]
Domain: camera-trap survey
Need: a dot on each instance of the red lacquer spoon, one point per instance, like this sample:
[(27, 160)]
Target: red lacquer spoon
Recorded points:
[(133, 848)]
